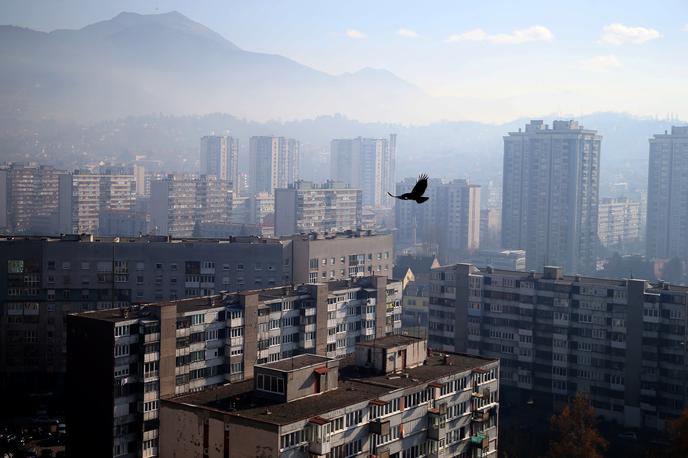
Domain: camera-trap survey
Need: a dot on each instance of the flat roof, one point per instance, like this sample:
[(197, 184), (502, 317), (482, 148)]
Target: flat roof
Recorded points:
[(355, 386), (115, 315), (157, 239), (296, 362), (390, 341)]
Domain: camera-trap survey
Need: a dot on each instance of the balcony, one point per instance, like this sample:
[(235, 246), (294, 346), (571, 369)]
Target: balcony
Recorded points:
[(379, 427), (480, 416), (318, 435), (480, 441), (319, 447), (310, 311), (437, 426)]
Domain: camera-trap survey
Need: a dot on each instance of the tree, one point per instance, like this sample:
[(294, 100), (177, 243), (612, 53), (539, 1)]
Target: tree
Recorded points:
[(575, 433), (678, 433)]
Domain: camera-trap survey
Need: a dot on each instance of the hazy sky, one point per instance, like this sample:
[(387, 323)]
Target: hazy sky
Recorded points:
[(527, 57)]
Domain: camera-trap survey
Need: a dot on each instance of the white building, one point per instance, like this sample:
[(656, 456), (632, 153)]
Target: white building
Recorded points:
[(367, 164), (305, 207)]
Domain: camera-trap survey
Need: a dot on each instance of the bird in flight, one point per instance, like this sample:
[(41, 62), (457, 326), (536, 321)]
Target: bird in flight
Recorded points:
[(417, 191)]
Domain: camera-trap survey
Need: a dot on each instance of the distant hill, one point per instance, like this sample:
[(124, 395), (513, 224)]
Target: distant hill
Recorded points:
[(442, 149), (138, 64)]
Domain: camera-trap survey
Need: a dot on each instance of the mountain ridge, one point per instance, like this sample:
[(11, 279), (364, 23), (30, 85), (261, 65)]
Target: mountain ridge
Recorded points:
[(168, 63)]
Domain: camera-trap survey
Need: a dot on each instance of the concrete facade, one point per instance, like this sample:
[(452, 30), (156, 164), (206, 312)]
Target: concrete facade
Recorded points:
[(618, 341), (450, 219), (273, 163), (220, 158), (305, 207), (550, 195), (320, 257), (367, 164), (667, 195), (446, 406), (179, 204), (619, 222), (171, 348)]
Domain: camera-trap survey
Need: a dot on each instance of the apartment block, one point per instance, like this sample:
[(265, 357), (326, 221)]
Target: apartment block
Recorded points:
[(391, 400), (619, 222), (220, 158), (305, 207), (159, 350), (367, 164), (29, 194), (667, 195), (450, 219), (550, 195), (87, 196), (42, 279), (273, 163), (318, 257), (621, 342), (178, 204)]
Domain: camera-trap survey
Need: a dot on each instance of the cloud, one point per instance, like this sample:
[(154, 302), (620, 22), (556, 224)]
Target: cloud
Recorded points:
[(534, 33), (408, 33), (355, 34), (685, 28), (619, 34), (599, 64)]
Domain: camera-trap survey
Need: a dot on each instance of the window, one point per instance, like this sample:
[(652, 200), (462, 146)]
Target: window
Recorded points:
[(291, 439), (337, 424), (236, 368), (415, 399), (121, 331), (150, 406), (270, 383), (121, 350), (197, 319), (354, 418), (354, 447)]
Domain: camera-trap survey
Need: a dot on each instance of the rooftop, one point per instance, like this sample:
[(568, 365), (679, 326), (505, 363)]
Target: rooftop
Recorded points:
[(296, 363), (238, 399), (389, 341), (143, 311), (89, 238)]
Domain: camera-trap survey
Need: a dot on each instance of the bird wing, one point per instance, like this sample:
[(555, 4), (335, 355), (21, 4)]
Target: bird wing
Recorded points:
[(421, 186)]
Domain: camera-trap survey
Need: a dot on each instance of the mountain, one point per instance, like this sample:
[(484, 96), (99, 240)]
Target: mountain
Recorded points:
[(136, 64)]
